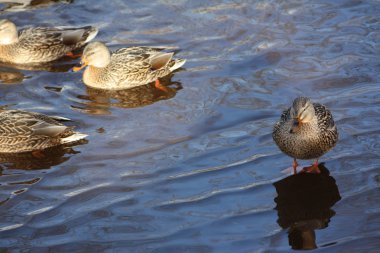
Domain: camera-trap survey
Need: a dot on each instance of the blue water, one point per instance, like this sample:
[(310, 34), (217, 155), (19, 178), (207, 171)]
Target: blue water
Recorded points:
[(196, 169)]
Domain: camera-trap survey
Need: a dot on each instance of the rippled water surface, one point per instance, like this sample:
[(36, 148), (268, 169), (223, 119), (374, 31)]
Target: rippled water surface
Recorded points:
[(195, 169)]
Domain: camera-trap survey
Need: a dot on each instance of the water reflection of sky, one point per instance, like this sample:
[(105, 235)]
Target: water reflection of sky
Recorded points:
[(194, 171)]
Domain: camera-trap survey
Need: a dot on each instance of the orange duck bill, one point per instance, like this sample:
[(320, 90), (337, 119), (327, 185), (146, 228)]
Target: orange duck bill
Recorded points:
[(76, 68)]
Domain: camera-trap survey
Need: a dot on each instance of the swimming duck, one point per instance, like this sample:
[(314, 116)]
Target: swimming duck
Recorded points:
[(305, 131), (126, 67), (40, 44), (22, 131)]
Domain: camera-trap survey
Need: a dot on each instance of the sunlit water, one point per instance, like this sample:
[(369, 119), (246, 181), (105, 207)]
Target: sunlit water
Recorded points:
[(195, 169)]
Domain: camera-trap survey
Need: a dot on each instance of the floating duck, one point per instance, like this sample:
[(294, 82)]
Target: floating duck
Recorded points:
[(40, 44), (22, 131), (126, 67)]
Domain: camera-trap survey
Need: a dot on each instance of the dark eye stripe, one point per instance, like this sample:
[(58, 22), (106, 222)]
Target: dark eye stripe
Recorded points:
[(305, 108)]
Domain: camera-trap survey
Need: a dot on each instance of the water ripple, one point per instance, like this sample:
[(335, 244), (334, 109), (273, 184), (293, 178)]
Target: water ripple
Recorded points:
[(192, 170)]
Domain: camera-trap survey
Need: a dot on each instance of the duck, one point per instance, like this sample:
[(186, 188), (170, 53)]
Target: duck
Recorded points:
[(126, 67), (305, 131), (24, 131), (23, 5), (41, 44)]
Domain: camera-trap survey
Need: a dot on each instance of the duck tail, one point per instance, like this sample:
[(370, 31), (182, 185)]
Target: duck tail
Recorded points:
[(77, 37), (91, 33), (73, 138), (177, 64)]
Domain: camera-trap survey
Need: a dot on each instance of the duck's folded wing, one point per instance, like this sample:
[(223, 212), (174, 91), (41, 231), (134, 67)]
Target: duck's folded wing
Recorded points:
[(19, 123), (146, 52), (47, 37), (129, 64), (160, 60), (325, 118), (135, 61), (41, 37), (44, 128), (285, 116)]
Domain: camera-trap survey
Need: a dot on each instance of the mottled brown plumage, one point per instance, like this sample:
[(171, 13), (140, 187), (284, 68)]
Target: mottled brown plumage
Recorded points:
[(306, 130), (40, 44), (22, 131), (126, 67)]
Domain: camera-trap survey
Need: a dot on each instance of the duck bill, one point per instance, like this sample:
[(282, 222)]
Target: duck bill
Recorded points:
[(76, 69)]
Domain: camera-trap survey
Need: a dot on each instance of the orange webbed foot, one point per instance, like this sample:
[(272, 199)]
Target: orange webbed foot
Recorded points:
[(38, 154), (159, 86), (73, 56), (312, 169), (295, 165)]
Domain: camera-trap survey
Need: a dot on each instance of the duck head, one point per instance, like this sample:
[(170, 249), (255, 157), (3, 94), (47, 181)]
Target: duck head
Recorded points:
[(301, 112), (95, 54), (8, 32)]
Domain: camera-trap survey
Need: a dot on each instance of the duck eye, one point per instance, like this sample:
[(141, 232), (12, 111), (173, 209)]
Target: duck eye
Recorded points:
[(304, 109)]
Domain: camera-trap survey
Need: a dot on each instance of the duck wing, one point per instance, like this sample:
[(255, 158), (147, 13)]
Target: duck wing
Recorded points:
[(18, 124), (140, 59), (325, 118), (47, 37)]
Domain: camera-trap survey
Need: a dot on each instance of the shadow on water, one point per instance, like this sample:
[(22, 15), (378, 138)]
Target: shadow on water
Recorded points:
[(44, 160), (304, 204), (61, 65), (12, 73), (11, 76), (13, 181), (97, 101)]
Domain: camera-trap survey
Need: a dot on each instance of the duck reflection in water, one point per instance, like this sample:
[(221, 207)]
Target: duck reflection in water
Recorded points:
[(11, 76), (304, 204), (12, 73), (17, 181), (43, 159), (65, 64), (100, 101)]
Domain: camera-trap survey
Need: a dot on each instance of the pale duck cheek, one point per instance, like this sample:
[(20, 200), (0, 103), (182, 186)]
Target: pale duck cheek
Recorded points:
[(6, 40), (99, 62), (86, 76), (308, 118)]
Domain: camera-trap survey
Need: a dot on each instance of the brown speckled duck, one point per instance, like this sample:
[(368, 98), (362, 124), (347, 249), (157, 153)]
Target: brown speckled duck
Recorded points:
[(22, 131), (40, 44), (305, 131), (126, 67)]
